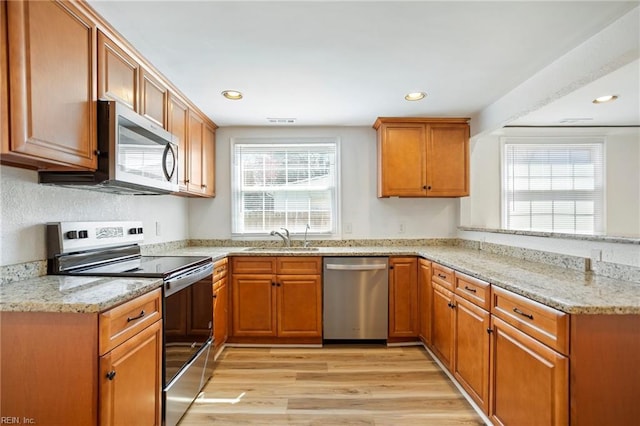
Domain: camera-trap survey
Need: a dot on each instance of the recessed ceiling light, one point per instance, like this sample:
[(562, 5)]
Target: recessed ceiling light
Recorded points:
[(232, 94), (415, 96), (603, 99)]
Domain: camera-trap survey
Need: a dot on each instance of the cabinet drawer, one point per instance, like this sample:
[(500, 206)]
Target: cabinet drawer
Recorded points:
[(253, 265), (220, 269), (124, 321), (474, 290), (541, 322), (443, 276), (297, 265)]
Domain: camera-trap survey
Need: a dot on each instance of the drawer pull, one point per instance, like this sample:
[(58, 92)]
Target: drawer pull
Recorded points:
[(444, 277), (519, 312), (451, 305), (472, 290), (129, 319), (111, 374)]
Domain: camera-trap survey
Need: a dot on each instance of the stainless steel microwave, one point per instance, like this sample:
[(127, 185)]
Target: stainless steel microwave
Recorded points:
[(135, 156)]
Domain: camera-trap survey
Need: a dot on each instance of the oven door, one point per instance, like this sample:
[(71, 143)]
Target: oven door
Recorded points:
[(188, 325)]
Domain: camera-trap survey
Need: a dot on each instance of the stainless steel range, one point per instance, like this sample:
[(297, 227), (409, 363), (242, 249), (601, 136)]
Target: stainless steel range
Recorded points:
[(112, 249)]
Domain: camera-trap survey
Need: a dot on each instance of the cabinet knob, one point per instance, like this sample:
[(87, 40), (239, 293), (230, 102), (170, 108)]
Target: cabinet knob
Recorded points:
[(428, 187), (186, 181), (111, 374), (489, 331), (203, 186), (273, 284), (424, 187), (215, 295)]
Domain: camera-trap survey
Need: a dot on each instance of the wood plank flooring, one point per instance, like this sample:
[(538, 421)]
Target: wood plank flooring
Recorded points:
[(333, 385)]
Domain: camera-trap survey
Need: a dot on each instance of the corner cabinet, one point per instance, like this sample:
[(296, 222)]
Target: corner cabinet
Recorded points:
[(52, 80), (276, 299), (423, 157), (84, 368)]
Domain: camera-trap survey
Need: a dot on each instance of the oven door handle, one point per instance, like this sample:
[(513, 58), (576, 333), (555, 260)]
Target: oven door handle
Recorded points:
[(182, 281)]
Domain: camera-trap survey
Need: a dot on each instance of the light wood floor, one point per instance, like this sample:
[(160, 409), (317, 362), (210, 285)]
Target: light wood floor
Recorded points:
[(334, 385)]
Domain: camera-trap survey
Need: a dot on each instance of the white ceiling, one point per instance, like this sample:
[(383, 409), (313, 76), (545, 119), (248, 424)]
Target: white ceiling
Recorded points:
[(346, 63)]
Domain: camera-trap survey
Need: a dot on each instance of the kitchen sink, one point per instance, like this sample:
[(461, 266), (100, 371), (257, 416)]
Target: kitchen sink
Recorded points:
[(283, 249)]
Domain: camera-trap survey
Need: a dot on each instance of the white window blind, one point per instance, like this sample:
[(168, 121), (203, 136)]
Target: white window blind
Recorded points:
[(553, 187), (284, 185)]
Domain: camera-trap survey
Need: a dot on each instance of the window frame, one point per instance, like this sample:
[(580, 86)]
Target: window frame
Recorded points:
[(551, 140), (235, 191)]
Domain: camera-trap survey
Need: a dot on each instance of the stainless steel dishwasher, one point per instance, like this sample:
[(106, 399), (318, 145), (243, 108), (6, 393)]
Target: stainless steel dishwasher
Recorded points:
[(356, 294)]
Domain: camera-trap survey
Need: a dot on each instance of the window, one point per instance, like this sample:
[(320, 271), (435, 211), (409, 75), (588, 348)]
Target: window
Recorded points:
[(553, 187), (284, 184)]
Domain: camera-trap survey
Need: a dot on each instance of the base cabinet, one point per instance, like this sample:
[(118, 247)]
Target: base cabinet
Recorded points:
[(220, 304), (442, 327), (275, 299), (403, 298), (529, 381), (84, 368)]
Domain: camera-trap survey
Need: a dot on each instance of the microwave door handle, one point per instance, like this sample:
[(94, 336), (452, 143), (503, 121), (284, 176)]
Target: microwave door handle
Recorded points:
[(168, 149)]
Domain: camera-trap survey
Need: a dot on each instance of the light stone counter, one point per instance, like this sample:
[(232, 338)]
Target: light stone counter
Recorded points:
[(56, 293), (569, 290)]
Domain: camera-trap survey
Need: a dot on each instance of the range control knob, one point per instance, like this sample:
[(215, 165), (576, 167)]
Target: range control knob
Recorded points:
[(83, 234), (140, 230), (71, 235), (133, 231)]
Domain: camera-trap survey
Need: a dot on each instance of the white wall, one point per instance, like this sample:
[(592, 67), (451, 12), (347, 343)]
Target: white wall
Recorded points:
[(482, 208), (26, 206), (369, 216)]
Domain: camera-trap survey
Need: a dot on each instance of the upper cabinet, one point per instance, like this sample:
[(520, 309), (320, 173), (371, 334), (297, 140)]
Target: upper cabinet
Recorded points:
[(57, 58), (423, 157), (52, 108)]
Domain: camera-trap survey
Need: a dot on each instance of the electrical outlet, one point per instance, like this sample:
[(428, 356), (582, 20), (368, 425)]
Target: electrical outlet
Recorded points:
[(158, 229), (348, 228), (401, 228)]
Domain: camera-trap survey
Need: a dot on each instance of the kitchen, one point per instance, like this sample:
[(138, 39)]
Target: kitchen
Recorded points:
[(27, 206)]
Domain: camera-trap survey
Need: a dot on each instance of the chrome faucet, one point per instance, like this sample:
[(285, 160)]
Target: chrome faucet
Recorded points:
[(285, 236), (306, 243)]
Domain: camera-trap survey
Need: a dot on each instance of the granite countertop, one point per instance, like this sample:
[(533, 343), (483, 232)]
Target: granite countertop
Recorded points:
[(569, 290), (56, 293)]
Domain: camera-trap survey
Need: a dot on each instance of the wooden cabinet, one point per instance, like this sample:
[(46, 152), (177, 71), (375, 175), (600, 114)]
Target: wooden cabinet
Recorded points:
[(84, 368), (118, 73), (52, 76), (529, 379), (442, 324), (196, 148), (276, 299), (423, 157), (424, 300), (154, 96), (4, 88), (471, 350), (220, 304), (131, 380), (403, 298)]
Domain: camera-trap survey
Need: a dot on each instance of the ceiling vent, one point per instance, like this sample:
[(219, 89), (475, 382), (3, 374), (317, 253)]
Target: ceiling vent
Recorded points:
[(281, 120)]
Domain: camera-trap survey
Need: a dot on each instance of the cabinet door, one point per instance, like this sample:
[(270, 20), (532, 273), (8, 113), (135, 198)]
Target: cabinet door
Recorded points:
[(471, 352), (131, 380), (299, 305), (424, 300), (401, 160), (153, 98), (442, 324), (52, 56), (208, 161), (196, 126), (403, 297), (529, 381), (447, 160), (118, 73), (178, 125), (4, 88), (254, 305), (220, 312)]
